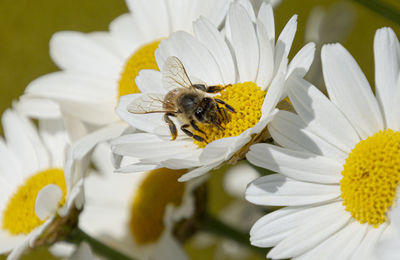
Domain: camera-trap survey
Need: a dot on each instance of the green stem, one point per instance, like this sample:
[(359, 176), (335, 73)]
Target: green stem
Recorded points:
[(213, 225), (382, 8), (78, 236)]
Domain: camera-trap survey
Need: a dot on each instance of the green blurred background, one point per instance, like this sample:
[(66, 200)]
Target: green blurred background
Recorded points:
[(26, 27)]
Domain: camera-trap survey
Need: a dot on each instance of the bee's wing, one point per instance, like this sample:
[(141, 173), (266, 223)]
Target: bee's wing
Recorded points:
[(174, 74), (147, 103)]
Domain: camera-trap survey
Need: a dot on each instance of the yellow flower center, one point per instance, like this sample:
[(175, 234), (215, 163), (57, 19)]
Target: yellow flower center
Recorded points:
[(140, 60), (371, 175), (159, 189), (19, 216), (247, 99)]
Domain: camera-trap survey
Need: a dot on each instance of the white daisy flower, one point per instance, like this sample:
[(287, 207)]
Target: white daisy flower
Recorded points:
[(98, 68), (139, 213), (255, 64), (39, 187), (339, 162)]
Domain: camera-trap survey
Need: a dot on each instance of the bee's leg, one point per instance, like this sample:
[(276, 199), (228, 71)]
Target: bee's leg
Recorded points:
[(195, 127), (172, 127), (216, 89), (201, 87), (223, 113), (190, 134), (219, 126), (210, 89), (225, 104)]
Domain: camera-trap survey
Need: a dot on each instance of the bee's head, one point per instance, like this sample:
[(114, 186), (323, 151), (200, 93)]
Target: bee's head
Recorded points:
[(206, 112)]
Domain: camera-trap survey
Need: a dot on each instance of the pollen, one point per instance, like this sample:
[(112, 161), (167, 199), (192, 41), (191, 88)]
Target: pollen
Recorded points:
[(19, 216), (247, 99), (371, 175), (142, 59), (159, 189)]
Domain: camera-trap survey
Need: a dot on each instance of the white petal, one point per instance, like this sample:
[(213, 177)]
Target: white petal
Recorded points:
[(269, 230), (318, 228), (8, 242), (75, 51), (247, 5), (22, 138), (82, 147), (297, 165), (150, 81), (350, 91), (196, 59), (244, 43), (366, 248), (144, 122), (144, 11), (284, 42), (266, 16), (340, 245), (182, 163), (19, 250), (56, 140), (47, 201), (127, 35), (278, 190), (37, 107), (183, 13), (321, 115), (301, 63), (93, 113), (198, 172), (266, 63), (212, 39), (72, 86), (387, 67), (141, 145), (274, 94), (237, 177), (387, 247), (290, 131), (218, 149), (135, 168), (10, 167), (177, 159), (107, 41)]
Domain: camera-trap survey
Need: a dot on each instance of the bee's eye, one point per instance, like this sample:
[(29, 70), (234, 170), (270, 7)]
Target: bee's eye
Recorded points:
[(199, 114)]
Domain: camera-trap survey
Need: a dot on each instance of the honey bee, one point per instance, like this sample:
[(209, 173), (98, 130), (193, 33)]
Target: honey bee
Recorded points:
[(188, 102)]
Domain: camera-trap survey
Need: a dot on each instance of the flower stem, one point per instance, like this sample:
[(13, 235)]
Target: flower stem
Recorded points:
[(215, 226), (382, 8), (77, 236)]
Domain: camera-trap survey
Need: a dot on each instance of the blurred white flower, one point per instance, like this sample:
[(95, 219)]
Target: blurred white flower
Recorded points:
[(98, 68), (39, 183), (138, 213)]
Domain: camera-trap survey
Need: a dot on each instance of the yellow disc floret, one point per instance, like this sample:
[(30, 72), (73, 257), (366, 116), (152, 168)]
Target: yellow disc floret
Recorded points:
[(247, 99), (141, 59), (19, 216), (371, 175), (159, 189)]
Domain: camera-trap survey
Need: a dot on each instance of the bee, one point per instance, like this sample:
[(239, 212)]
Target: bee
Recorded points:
[(188, 102)]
